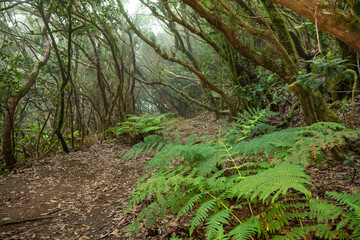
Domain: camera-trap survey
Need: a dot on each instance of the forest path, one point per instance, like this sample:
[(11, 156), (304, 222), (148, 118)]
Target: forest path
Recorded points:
[(74, 196), (79, 195)]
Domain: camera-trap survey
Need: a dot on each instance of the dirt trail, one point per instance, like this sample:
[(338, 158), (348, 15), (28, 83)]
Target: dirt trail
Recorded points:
[(75, 196), (80, 195)]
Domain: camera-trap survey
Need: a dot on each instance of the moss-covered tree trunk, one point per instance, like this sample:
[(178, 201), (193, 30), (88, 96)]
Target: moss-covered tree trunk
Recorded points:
[(313, 105), (282, 32), (342, 25)]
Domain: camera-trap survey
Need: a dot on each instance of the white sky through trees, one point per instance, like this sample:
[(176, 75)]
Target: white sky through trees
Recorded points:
[(132, 6)]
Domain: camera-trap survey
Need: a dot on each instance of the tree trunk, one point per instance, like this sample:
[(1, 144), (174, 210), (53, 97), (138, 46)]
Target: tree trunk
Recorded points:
[(328, 18), (8, 140), (313, 105), (64, 77), (282, 32), (132, 88), (167, 103), (101, 83), (8, 146)]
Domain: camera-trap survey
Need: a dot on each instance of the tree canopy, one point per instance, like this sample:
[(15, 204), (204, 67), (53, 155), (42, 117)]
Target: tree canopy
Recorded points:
[(79, 67)]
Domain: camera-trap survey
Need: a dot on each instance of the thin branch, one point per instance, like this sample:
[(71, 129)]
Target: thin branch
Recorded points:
[(12, 6)]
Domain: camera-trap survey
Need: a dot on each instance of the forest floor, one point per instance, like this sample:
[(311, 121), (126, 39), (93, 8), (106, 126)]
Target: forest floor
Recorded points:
[(82, 195)]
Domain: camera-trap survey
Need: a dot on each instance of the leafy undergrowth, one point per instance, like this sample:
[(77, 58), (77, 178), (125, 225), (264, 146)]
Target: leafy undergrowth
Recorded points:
[(206, 185), (263, 188)]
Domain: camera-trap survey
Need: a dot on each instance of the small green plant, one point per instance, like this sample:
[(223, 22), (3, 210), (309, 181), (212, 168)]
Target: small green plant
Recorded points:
[(253, 121), (35, 139), (142, 125), (325, 71)]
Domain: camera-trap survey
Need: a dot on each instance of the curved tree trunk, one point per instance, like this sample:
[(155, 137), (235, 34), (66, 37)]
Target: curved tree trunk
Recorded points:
[(328, 18), (64, 77), (282, 32), (8, 146), (314, 107)]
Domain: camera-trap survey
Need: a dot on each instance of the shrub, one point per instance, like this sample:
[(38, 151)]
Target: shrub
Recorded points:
[(144, 124)]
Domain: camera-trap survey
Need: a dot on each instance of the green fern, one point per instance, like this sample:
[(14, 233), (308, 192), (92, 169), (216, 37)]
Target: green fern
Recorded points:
[(246, 229), (300, 145), (352, 201), (253, 121), (281, 213), (190, 204), (220, 235), (321, 230), (215, 181), (325, 211), (142, 124), (203, 155), (202, 213), (273, 182), (152, 142), (319, 138), (216, 222)]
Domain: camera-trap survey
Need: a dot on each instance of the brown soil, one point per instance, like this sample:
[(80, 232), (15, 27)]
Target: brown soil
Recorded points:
[(81, 195)]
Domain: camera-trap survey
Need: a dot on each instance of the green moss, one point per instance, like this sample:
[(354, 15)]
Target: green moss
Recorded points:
[(306, 102), (353, 22), (355, 26), (313, 105), (281, 29), (289, 115)]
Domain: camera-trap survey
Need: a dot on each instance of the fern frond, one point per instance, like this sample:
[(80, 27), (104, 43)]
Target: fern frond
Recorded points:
[(204, 156), (320, 230), (321, 126), (298, 233), (325, 211), (201, 214), (215, 223), (139, 148), (190, 204), (220, 235), (300, 145), (274, 181), (282, 212), (253, 121), (352, 201), (246, 229), (267, 145), (346, 198)]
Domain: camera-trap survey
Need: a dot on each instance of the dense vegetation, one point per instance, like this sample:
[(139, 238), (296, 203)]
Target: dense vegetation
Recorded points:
[(256, 189), (71, 69)]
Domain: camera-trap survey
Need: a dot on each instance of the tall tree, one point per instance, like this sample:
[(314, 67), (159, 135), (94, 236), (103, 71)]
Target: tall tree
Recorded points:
[(8, 141)]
